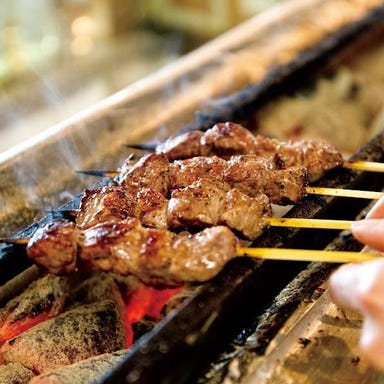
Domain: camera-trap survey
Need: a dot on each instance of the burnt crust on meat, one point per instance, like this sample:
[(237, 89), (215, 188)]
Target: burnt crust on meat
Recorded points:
[(208, 203), (228, 139), (156, 256), (56, 245)]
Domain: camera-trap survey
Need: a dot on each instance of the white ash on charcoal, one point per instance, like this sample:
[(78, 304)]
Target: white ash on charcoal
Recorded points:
[(45, 298), (59, 321), (75, 335), (84, 372), (15, 373)]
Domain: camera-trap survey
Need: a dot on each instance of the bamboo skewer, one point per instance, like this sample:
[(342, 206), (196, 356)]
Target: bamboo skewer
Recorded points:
[(309, 223), (310, 255), (369, 166), (340, 192)]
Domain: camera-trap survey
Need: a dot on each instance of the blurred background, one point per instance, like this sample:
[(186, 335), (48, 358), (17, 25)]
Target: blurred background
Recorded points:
[(59, 56)]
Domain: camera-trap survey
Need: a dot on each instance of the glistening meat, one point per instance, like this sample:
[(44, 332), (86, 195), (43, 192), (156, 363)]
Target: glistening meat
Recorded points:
[(250, 174), (157, 257), (202, 204), (227, 139)]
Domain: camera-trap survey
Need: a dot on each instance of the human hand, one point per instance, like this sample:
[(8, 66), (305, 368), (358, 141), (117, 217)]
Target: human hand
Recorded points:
[(360, 287)]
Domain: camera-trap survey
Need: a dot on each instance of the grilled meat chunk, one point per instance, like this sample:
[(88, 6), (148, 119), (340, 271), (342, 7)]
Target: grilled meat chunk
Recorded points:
[(253, 175), (184, 146), (244, 214), (157, 257), (197, 205), (118, 203), (227, 139), (104, 204), (206, 203), (150, 171), (151, 208), (316, 156), (55, 244), (185, 172), (72, 336)]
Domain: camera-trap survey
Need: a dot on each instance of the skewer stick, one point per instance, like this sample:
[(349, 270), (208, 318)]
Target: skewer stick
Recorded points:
[(369, 166), (344, 192), (309, 223), (15, 241), (306, 255), (99, 173)]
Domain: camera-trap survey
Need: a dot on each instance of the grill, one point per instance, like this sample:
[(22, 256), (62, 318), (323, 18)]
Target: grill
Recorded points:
[(242, 308)]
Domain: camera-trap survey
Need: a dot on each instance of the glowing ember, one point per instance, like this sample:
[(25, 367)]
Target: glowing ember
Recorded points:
[(9, 330), (143, 302)]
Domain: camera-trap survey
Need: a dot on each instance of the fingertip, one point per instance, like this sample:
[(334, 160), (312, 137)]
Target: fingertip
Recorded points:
[(342, 286)]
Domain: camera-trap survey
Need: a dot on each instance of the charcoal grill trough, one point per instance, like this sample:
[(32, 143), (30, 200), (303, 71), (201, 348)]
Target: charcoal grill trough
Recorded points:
[(189, 344)]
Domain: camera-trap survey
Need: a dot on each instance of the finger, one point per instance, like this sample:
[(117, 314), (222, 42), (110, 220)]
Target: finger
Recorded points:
[(343, 286), (370, 232), (360, 287), (372, 341), (377, 211)]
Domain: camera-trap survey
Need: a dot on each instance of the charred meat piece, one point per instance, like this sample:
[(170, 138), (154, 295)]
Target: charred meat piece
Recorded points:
[(316, 156), (185, 172), (150, 171), (207, 203), (151, 208), (56, 245), (155, 256), (244, 214), (200, 204), (70, 337), (253, 175), (42, 300), (183, 146), (227, 139), (118, 203), (104, 204)]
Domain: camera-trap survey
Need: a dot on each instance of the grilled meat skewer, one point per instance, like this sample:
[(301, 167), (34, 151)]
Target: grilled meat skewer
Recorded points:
[(250, 174), (203, 204), (228, 139), (155, 256)]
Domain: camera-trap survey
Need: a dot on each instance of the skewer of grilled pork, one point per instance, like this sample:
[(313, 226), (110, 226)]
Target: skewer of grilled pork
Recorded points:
[(250, 174), (157, 257), (228, 139), (202, 204)]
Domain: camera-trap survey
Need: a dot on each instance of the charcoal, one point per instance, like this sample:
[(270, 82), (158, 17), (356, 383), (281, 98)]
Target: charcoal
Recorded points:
[(75, 335)]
